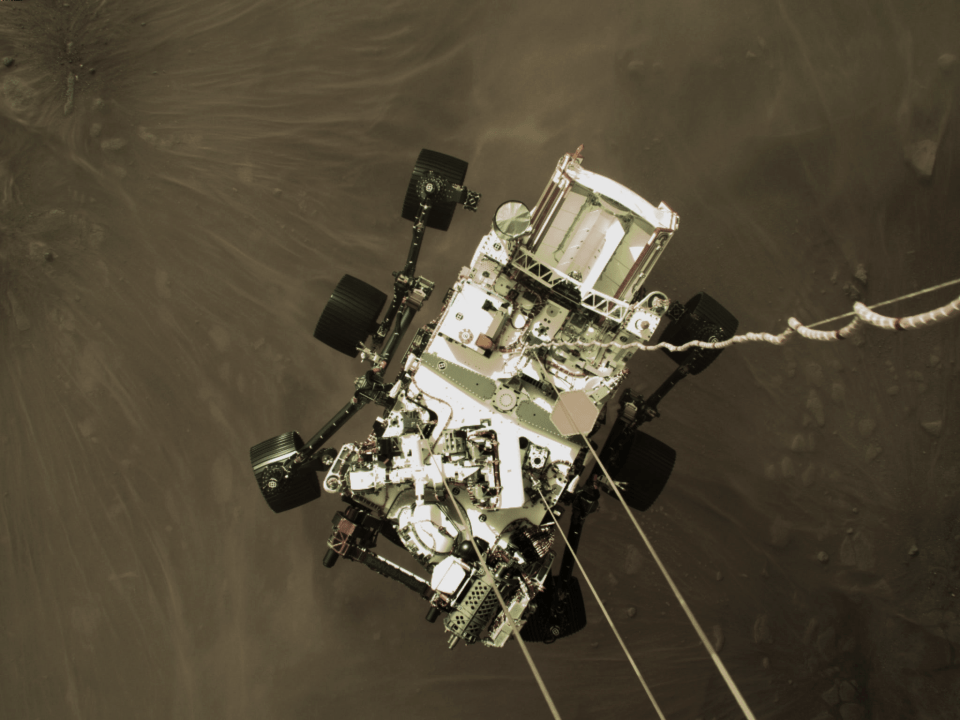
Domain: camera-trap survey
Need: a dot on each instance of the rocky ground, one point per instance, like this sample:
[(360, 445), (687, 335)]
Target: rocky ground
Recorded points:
[(182, 185)]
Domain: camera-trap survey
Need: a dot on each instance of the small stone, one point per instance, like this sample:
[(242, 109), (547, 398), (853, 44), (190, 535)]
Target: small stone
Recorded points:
[(631, 612), (636, 67), (855, 510), (872, 452), (913, 551), (97, 103), (809, 632), (766, 663), (848, 692), (852, 292), (832, 696), (799, 444), (761, 631), (893, 390), (823, 557), (113, 144), (92, 71), (933, 427), (866, 427), (142, 24), (277, 191), (922, 155), (8, 61), (947, 61), (849, 531), (934, 361), (751, 55), (815, 407), (48, 256), (861, 273), (719, 576), (808, 476), (717, 638), (95, 129)]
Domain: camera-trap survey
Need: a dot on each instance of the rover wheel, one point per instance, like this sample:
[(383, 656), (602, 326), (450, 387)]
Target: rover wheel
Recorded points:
[(282, 492), (350, 315), (560, 612), (450, 168), (703, 319), (645, 470)]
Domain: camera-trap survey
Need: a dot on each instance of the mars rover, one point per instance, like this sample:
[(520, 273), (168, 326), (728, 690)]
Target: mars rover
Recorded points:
[(485, 427)]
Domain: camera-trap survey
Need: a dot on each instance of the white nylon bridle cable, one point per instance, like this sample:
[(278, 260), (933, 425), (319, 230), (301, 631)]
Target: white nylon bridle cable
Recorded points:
[(603, 607), (676, 591), (862, 314), (493, 584)]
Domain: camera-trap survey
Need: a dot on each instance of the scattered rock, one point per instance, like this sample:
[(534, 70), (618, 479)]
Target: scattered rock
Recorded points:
[(761, 631), (934, 361), (866, 427), (861, 273), (97, 104), (631, 612), (95, 129), (922, 155), (765, 662), (945, 62), (913, 551), (799, 443), (852, 292), (809, 475), (848, 692), (48, 256), (823, 557), (872, 453), (751, 55), (832, 696), (849, 531), (893, 390), (815, 407), (852, 711), (719, 576), (113, 144), (636, 67), (809, 632), (8, 61), (717, 638), (933, 427)]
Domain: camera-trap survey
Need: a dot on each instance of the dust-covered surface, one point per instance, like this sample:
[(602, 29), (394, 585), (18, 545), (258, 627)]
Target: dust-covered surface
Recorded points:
[(183, 184)]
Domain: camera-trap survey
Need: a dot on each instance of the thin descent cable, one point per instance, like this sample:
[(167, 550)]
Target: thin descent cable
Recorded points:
[(493, 584), (604, 609), (676, 591), (861, 313)]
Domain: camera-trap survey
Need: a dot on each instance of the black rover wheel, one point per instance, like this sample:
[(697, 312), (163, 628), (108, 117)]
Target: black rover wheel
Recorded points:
[(560, 612), (350, 315), (703, 319), (282, 492), (645, 469), (451, 169)]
